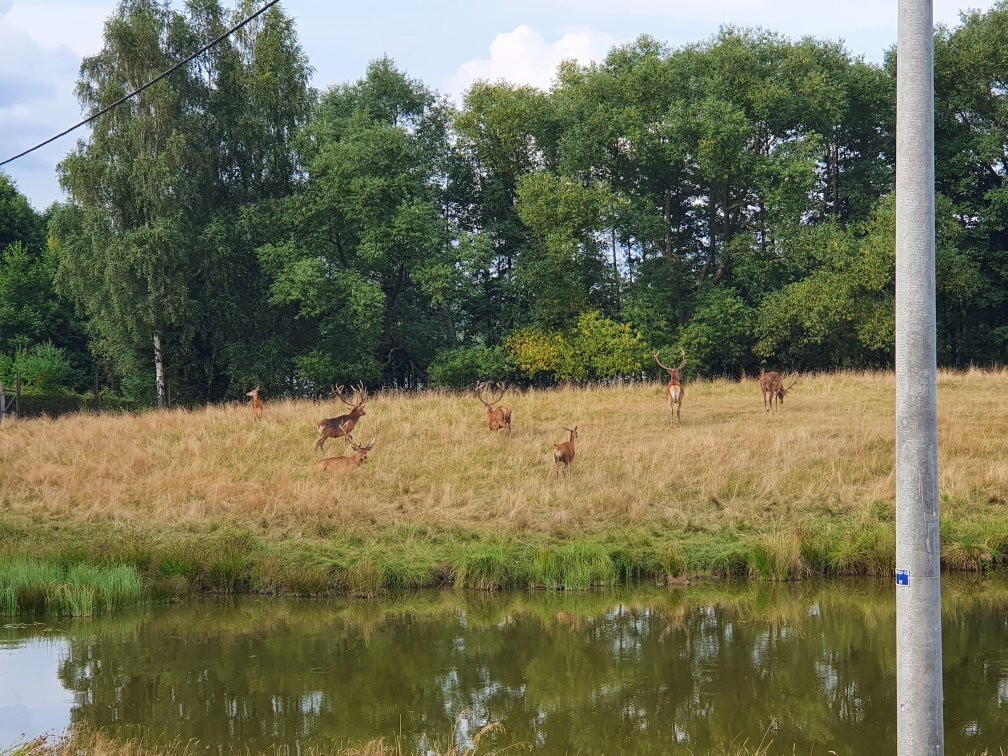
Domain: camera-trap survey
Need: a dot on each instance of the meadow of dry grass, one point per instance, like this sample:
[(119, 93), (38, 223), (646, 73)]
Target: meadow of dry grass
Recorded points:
[(821, 469)]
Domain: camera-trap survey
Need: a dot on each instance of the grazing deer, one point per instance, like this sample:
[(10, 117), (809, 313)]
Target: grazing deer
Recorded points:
[(335, 427), (773, 389), (344, 464), (496, 418), (563, 453), (256, 405), (674, 391)]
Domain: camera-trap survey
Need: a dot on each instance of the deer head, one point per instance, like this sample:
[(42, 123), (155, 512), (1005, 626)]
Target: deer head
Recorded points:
[(673, 372), (254, 393), (783, 390), (362, 451)]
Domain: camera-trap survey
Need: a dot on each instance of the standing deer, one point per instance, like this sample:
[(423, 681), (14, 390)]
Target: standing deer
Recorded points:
[(773, 389), (256, 405), (345, 464), (496, 417), (563, 453), (335, 427), (674, 391)]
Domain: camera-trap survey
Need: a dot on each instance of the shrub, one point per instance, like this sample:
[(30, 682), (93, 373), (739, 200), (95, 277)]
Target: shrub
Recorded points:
[(719, 338), (44, 367), (598, 348)]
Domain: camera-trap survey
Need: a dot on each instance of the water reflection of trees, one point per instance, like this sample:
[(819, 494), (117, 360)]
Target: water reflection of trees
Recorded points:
[(808, 664)]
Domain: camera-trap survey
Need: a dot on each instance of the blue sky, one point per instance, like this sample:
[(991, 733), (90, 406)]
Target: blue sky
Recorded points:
[(447, 43)]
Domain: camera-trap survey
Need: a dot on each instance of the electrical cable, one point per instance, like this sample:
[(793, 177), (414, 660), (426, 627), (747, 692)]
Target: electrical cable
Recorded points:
[(150, 83)]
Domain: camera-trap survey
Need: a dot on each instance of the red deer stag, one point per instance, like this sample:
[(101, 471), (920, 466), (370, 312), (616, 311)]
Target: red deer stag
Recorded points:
[(335, 427), (345, 464), (563, 453), (674, 391), (256, 405), (496, 417), (773, 389)]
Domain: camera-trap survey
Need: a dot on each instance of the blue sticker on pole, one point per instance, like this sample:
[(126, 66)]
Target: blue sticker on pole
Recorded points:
[(902, 577)]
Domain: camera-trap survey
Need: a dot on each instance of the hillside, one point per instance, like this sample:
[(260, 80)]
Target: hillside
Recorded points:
[(209, 499)]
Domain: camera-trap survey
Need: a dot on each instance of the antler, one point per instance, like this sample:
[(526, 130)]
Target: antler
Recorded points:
[(683, 363), (366, 447), (501, 395), (481, 387), (360, 395), (797, 378), (658, 360), (338, 393)]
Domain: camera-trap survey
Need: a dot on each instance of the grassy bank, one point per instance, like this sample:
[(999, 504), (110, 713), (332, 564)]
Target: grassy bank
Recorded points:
[(209, 500)]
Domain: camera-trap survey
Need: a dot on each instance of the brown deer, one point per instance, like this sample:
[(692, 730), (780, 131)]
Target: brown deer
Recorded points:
[(256, 405), (675, 390), (773, 389), (496, 417), (563, 453), (335, 427), (345, 464)]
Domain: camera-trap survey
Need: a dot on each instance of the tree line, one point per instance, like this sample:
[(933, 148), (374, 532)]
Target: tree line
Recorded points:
[(232, 227)]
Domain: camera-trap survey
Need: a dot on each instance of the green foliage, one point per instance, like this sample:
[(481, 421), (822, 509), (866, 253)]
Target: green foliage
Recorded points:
[(464, 366), (44, 367), (720, 337), (597, 349), (731, 196)]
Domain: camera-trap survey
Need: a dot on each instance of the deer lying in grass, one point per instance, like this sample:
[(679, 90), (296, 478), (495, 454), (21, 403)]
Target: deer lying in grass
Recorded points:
[(345, 464), (773, 389), (335, 427), (674, 391), (496, 417), (563, 453), (256, 405)]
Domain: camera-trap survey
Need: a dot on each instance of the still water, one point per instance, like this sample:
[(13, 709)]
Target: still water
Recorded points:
[(809, 667)]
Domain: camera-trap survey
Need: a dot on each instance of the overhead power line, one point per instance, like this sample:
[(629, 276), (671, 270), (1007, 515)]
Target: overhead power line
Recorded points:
[(150, 83)]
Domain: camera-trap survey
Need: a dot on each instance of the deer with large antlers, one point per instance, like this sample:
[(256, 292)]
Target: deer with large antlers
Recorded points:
[(256, 404), (674, 391), (336, 427), (563, 453), (773, 389), (345, 464), (496, 417)]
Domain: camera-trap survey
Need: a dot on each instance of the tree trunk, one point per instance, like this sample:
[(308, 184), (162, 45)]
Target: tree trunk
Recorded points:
[(615, 266), (159, 371)]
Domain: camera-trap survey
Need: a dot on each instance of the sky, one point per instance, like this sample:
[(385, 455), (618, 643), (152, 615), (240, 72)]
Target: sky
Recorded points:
[(448, 44)]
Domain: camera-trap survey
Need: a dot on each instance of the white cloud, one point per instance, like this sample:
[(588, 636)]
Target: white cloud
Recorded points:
[(523, 56)]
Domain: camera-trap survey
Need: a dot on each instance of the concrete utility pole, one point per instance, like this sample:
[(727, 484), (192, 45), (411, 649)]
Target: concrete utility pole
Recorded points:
[(920, 728)]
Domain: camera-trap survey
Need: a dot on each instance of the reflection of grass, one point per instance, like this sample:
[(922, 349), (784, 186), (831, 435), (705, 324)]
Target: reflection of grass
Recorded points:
[(203, 501), (771, 603), (85, 739), (29, 586)]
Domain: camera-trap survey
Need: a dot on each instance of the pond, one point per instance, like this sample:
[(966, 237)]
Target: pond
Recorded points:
[(807, 666)]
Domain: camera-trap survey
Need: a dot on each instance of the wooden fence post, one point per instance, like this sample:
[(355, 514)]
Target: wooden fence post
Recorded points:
[(17, 397)]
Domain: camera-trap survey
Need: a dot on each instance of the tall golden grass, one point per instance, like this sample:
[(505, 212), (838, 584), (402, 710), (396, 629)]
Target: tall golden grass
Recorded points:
[(210, 500), (828, 452)]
